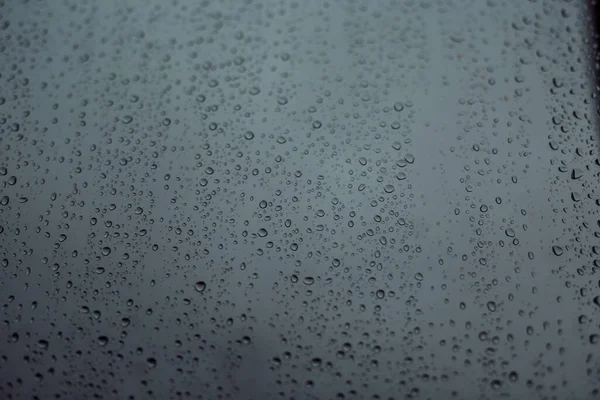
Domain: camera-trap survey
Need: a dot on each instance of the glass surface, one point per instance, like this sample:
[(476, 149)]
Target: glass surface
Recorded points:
[(299, 200)]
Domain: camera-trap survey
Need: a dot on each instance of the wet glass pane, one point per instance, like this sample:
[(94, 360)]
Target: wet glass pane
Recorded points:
[(299, 200)]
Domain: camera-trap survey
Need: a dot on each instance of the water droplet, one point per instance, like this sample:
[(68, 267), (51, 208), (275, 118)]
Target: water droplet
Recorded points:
[(200, 286), (246, 340)]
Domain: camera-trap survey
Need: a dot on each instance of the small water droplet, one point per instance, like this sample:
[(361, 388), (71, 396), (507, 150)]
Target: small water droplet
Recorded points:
[(200, 286), (309, 280), (398, 106)]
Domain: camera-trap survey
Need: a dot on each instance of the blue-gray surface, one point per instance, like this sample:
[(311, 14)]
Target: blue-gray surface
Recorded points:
[(298, 200)]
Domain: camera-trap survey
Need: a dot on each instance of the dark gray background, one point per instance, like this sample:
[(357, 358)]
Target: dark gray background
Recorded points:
[(307, 200)]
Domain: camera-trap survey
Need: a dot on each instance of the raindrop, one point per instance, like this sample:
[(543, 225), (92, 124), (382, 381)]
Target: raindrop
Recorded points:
[(200, 286), (557, 250)]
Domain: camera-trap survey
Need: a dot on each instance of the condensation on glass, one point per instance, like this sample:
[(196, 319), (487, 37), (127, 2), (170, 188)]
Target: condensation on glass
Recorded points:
[(299, 200)]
